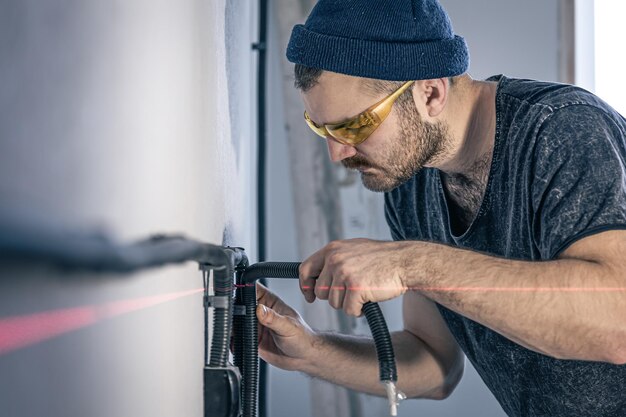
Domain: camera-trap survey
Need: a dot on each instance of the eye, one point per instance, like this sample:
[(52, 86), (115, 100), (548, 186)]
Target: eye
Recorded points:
[(364, 119)]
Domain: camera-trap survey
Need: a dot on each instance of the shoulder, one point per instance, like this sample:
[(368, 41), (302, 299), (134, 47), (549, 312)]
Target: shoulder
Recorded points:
[(545, 100), (585, 130), (559, 117), (545, 94)]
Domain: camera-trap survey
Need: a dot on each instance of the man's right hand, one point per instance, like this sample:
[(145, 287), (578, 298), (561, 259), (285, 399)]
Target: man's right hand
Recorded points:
[(430, 362), (285, 340)]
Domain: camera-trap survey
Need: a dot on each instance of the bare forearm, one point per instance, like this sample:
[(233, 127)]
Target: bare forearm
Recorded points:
[(351, 361), (564, 308)]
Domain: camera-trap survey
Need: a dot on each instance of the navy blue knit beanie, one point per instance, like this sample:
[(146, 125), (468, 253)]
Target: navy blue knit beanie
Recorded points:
[(394, 40)]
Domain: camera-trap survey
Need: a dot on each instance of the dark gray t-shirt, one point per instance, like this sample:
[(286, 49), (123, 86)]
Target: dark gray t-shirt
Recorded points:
[(558, 174)]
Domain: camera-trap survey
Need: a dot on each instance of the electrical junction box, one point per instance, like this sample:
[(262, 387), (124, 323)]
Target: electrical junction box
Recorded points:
[(222, 392)]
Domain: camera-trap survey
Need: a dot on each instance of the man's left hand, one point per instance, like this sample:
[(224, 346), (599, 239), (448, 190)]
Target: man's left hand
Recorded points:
[(349, 273)]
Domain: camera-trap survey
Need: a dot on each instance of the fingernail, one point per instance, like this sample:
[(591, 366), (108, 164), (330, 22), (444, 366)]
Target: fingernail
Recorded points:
[(264, 310)]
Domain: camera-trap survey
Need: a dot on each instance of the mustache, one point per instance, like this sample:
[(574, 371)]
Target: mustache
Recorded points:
[(356, 162)]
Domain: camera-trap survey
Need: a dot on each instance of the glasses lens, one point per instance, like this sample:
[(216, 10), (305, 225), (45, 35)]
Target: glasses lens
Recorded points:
[(357, 130), (351, 136), (320, 131)]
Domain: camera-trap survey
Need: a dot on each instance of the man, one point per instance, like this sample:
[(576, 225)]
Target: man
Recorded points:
[(506, 200)]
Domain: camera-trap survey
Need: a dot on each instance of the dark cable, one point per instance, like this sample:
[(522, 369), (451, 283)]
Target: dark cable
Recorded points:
[(261, 47), (382, 341), (249, 396), (238, 328)]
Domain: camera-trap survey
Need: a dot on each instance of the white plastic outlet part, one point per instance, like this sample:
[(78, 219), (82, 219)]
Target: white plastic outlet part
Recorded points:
[(394, 396)]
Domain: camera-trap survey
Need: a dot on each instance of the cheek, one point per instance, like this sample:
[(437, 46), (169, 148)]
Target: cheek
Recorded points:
[(380, 139), (386, 142)]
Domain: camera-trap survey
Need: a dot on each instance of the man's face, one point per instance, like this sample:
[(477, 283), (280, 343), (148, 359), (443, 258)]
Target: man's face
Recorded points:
[(402, 145)]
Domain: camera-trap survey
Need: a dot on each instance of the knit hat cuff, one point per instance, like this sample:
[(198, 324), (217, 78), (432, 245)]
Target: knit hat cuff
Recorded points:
[(383, 60)]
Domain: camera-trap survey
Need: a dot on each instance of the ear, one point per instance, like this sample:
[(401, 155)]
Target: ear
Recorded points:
[(432, 95)]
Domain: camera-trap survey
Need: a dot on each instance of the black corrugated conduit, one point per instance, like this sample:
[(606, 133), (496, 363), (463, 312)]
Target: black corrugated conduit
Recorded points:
[(222, 317), (382, 340), (238, 326), (222, 390), (223, 273), (373, 314)]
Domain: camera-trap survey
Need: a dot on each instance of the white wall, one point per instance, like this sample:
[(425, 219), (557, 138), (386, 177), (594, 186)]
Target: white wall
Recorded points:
[(514, 38), (518, 39), (121, 115)]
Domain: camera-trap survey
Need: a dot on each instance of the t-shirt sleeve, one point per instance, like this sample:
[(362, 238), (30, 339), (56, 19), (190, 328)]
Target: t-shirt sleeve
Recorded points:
[(579, 184), (391, 216)]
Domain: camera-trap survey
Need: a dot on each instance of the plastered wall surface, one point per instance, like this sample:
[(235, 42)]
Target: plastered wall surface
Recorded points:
[(118, 117)]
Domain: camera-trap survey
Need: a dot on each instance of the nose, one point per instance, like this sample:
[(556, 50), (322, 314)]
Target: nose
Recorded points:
[(338, 151)]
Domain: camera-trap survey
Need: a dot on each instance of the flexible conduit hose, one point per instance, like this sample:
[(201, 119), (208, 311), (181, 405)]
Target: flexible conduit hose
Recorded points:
[(238, 328), (373, 314), (223, 314), (222, 317)]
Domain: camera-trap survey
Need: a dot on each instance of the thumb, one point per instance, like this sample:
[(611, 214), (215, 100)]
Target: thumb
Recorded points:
[(278, 323)]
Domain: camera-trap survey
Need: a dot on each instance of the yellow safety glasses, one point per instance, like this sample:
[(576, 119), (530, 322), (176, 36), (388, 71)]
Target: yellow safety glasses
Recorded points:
[(354, 131)]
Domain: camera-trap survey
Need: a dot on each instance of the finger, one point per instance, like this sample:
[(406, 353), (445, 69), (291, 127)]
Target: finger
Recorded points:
[(309, 270), (260, 289), (276, 322), (336, 296), (323, 284), (267, 346), (313, 265), (265, 296), (353, 303), (307, 286), (265, 337), (270, 356)]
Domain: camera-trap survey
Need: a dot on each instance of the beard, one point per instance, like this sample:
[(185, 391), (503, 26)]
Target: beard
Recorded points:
[(416, 144)]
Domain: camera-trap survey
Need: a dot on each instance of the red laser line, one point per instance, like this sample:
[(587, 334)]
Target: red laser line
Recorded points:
[(483, 289), (21, 331), (18, 332), (244, 285)]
